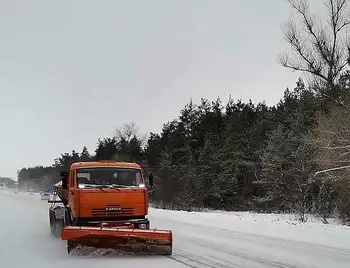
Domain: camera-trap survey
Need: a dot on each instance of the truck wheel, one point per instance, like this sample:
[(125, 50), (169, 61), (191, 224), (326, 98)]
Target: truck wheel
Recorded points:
[(67, 218), (69, 247), (58, 228), (52, 226), (169, 251)]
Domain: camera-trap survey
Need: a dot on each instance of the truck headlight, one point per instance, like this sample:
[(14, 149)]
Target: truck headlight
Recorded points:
[(143, 226)]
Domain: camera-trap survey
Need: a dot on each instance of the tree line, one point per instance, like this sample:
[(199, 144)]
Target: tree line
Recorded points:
[(290, 157), (124, 146), (8, 182)]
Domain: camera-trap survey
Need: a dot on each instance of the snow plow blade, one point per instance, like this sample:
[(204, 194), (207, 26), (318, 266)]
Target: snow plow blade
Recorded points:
[(139, 241)]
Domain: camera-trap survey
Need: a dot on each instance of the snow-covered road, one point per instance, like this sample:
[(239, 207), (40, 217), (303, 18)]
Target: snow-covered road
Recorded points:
[(215, 240)]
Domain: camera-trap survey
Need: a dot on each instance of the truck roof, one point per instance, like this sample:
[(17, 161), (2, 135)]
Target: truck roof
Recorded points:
[(104, 164)]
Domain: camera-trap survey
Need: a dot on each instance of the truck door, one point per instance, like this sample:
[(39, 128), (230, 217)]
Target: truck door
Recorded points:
[(73, 194)]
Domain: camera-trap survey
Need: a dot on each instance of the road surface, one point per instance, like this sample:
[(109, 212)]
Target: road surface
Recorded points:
[(25, 241)]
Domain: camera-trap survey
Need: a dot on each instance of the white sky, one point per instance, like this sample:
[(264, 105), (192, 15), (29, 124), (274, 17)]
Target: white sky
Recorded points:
[(73, 71)]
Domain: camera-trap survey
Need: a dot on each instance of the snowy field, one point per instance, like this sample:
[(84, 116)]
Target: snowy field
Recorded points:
[(201, 239)]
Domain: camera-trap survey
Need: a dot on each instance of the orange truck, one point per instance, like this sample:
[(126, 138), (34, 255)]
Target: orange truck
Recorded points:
[(104, 204)]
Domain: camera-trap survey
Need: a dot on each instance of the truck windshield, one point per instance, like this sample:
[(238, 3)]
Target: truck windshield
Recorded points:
[(108, 177)]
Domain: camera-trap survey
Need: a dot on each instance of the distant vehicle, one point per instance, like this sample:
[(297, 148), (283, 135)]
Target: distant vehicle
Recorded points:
[(45, 196), (15, 192), (31, 193)]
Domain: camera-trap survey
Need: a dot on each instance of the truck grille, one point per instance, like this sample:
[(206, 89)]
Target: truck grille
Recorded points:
[(104, 212)]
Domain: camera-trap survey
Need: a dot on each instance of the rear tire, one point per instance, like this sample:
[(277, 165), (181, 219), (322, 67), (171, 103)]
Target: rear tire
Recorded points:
[(52, 222), (58, 228)]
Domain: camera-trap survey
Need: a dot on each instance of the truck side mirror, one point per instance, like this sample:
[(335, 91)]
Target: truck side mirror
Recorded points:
[(150, 180), (63, 175)]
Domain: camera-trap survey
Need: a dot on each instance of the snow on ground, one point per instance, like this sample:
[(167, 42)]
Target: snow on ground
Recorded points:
[(201, 239), (275, 225)]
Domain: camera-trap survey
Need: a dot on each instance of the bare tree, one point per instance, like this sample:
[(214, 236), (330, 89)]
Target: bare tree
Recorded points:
[(332, 138), (319, 49), (128, 131)]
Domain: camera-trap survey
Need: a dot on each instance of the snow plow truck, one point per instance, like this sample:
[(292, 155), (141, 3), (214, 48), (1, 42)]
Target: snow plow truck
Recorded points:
[(104, 204)]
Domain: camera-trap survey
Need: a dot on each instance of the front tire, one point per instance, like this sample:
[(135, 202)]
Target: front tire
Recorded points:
[(67, 217), (70, 247)]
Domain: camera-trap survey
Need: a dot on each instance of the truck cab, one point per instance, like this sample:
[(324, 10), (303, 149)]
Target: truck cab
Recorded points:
[(108, 192)]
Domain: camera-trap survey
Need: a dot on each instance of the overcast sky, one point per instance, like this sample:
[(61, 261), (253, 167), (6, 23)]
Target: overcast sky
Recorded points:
[(73, 71)]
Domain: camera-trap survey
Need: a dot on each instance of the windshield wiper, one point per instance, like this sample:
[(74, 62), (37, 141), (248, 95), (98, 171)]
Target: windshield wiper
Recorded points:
[(118, 186), (95, 186), (108, 186)]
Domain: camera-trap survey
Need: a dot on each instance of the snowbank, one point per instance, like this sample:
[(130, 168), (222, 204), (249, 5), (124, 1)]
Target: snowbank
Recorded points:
[(269, 225)]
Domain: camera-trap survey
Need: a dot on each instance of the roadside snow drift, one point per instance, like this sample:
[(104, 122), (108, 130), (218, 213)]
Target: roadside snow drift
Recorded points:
[(283, 226)]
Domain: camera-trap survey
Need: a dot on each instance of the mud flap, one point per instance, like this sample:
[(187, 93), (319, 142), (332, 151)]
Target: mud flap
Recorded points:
[(137, 241)]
